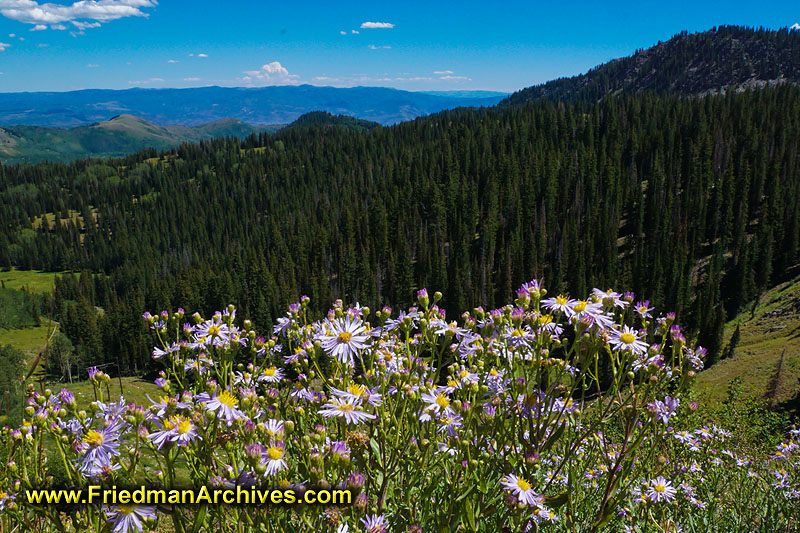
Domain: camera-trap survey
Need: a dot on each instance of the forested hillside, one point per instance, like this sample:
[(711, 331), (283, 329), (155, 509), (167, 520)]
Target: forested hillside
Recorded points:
[(692, 203), (727, 57)]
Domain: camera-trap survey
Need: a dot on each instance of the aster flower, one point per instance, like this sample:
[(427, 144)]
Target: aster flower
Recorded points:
[(225, 406), (345, 339), (271, 375), (643, 309), (346, 409), (98, 448), (660, 489), (559, 304), (437, 405), (610, 298), (178, 429), (356, 392), (628, 339), (375, 524), (522, 489), (273, 459), (666, 409), (128, 518)]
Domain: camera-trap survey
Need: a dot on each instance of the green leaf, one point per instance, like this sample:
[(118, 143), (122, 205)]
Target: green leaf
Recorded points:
[(470, 513), (466, 493), (556, 501), (608, 514), (199, 520), (376, 451)]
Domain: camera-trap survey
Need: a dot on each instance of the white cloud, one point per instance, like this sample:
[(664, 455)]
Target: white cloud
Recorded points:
[(373, 47), (191, 79), (270, 74), (84, 25), (99, 11), (12, 35), (39, 27), (443, 72), (42, 45), (57, 27), (376, 25), (202, 55), (92, 65), (356, 32), (455, 78), (342, 32), (146, 82), (172, 61), (3, 46), (795, 26)]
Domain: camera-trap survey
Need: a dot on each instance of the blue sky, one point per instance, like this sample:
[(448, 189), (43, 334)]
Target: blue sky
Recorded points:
[(504, 46)]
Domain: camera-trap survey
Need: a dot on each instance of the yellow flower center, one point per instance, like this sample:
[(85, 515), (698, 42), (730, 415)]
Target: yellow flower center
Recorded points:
[(642, 309), (356, 390), (660, 487), (517, 333), (126, 509), (580, 307), (464, 373), (345, 336), (561, 300), (270, 372), (523, 484), (545, 319), (227, 399), (346, 407), (627, 338), (184, 425), (94, 439), (442, 401), (275, 453), (214, 330)]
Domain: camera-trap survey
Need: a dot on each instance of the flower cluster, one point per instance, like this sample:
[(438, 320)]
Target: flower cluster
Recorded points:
[(494, 422)]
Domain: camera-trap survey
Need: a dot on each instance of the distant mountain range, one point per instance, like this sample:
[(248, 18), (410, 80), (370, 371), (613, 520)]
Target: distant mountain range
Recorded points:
[(119, 136), (260, 106), (727, 57)]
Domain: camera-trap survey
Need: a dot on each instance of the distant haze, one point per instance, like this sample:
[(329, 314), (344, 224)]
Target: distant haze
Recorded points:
[(257, 106)]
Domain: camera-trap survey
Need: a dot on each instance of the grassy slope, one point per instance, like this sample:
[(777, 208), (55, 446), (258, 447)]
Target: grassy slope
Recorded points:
[(34, 281), (773, 329)]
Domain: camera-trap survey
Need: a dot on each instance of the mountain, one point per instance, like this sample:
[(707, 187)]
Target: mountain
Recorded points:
[(192, 107), (688, 64), (119, 136), (325, 119)]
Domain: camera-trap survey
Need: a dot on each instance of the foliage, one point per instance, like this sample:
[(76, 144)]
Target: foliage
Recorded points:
[(473, 201), (552, 413)]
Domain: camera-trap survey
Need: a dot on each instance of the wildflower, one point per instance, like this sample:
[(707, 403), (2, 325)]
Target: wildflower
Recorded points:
[(610, 298), (346, 409), (628, 339), (522, 489), (128, 518), (356, 392), (345, 339), (659, 489), (559, 304), (177, 429), (271, 375), (437, 405), (375, 524), (643, 309), (99, 447), (225, 406), (273, 458), (666, 409)]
